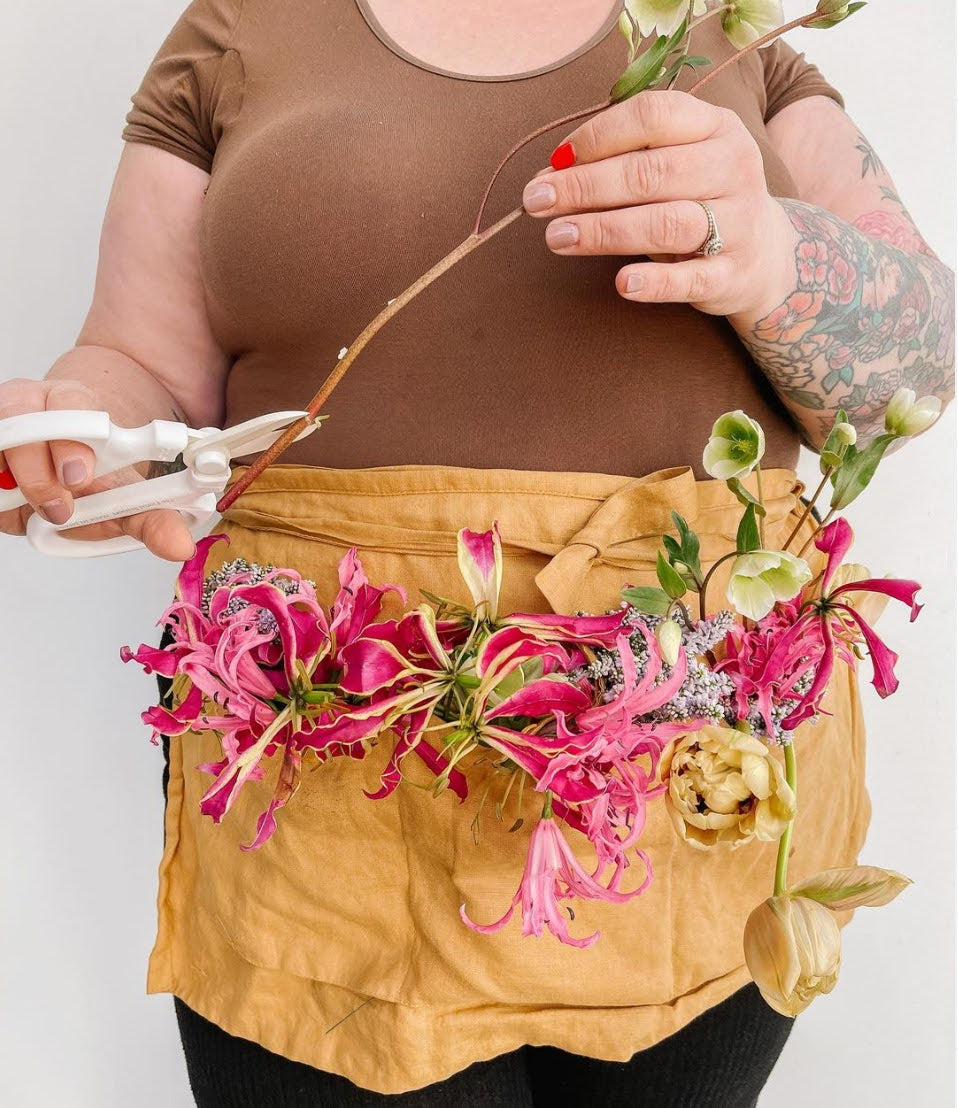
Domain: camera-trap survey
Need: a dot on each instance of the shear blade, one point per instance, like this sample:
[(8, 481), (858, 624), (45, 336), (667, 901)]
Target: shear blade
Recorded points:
[(255, 434)]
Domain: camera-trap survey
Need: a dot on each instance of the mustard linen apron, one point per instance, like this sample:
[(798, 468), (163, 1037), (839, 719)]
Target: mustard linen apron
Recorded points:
[(352, 908)]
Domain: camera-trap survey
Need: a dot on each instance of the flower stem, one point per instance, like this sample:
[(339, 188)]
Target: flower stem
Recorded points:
[(818, 530), (708, 15), (808, 508), (781, 865), (524, 141), (423, 282), (708, 577), (761, 500), (802, 21)]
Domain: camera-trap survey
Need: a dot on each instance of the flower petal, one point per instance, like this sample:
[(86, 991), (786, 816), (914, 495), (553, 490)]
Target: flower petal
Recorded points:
[(834, 540)]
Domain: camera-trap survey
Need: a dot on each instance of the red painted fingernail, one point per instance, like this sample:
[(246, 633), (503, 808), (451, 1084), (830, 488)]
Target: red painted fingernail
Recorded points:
[(563, 156), (7, 480)]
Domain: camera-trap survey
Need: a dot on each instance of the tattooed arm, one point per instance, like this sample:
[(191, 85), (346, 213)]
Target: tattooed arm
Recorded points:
[(865, 306)]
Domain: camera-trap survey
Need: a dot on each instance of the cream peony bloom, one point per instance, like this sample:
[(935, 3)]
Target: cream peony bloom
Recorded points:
[(793, 951), (750, 19), (661, 16), (725, 787)]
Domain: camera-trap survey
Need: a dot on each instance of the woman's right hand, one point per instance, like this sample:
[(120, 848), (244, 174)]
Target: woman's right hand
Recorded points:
[(50, 474)]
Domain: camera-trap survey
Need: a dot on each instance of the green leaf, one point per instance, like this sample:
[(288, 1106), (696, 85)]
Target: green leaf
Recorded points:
[(748, 537), (642, 72), (856, 471), (669, 579), (653, 602), (688, 550), (743, 496), (647, 66), (673, 549), (673, 70)]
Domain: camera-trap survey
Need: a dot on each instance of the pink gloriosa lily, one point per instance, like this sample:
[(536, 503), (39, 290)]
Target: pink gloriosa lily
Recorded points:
[(795, 638)]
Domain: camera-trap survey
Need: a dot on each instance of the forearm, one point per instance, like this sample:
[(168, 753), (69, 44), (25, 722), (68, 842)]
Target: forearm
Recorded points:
[(847, 319)]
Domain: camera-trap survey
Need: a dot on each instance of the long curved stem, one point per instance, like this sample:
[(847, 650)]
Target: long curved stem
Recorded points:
[(524, 141), (802, 21), (423, 282), (708, 577)]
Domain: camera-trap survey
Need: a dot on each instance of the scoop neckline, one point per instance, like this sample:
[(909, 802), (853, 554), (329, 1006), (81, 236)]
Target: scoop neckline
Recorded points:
[(379, 31)]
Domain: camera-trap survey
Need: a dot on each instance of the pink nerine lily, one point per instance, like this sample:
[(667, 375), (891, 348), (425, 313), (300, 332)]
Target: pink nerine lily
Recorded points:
[(552, 873), (600, 759)]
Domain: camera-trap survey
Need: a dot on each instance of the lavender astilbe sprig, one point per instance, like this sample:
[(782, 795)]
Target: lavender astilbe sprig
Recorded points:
[(702, 694), (240, 571)]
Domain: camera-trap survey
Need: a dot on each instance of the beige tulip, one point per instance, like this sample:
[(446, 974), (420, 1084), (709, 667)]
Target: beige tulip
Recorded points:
[(725, 786), (793, 951)]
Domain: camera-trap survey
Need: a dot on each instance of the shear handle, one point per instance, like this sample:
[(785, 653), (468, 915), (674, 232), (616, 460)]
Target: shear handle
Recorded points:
[(113, 447)]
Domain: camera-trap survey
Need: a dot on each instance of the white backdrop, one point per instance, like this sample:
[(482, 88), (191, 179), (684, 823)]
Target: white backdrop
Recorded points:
[(80, 847)]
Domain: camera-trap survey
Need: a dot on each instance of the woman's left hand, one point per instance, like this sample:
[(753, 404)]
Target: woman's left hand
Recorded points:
[(634, 172)]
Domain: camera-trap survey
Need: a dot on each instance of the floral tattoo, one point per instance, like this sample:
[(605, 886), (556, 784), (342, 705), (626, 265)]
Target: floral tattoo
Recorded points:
[(866, 293)]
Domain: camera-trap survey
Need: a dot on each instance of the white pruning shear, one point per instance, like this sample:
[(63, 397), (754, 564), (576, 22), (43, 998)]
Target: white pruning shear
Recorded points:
[(194, 490)]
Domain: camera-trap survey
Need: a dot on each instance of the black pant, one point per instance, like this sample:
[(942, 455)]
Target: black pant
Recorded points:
[(721, 1059)]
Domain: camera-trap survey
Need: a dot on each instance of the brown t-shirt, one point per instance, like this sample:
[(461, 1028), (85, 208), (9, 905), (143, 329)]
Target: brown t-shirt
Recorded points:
[(341, 170)]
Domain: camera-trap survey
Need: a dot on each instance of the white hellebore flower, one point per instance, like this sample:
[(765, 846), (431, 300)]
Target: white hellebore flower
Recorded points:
[(735, 448), (747, 20), (662, 16), (761, 578), (907, 416)]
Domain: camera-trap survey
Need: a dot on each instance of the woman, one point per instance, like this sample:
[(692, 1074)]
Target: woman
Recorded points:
[(209, 307)]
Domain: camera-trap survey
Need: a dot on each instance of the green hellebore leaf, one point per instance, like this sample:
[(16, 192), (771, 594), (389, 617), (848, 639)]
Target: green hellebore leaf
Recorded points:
[(647, 67), (688, 60), (672, 548), (641, 73), (856, 471), (670, 581), (748, 537), (652, 601), (743, 496), (688, 548), (839, 17)]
